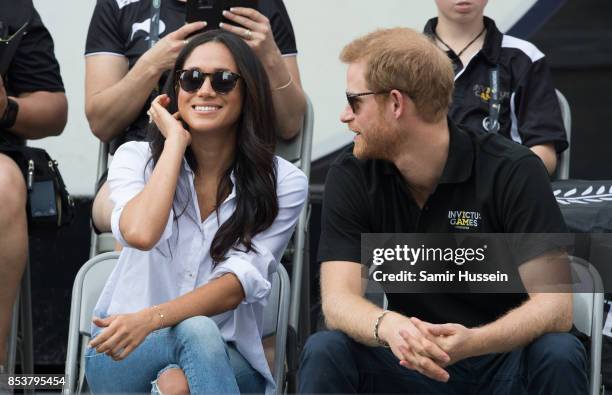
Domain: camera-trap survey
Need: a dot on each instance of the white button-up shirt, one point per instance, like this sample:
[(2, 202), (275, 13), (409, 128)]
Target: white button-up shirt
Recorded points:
[(181, 261)]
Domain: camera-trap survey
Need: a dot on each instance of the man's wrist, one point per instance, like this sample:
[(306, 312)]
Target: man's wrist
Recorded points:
[(9, 117), (386, 325), (475, 342), (377, 324)]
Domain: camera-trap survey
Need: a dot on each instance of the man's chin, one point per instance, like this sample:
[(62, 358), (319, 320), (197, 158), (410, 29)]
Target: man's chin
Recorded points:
[(362, 154)]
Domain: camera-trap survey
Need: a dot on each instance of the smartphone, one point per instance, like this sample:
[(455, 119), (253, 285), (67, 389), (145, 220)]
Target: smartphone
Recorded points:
[(210, 10), (43, 202)]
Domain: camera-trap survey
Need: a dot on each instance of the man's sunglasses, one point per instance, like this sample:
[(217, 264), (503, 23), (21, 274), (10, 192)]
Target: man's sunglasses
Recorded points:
[(221, 81), (354, 99)]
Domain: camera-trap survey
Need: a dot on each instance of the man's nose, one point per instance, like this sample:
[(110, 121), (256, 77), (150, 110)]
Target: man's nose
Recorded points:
[(347, 114)]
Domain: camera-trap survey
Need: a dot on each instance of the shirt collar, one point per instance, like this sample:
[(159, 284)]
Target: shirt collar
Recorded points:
[(491, 48), (460, 160), (459, 163), (232, 194)]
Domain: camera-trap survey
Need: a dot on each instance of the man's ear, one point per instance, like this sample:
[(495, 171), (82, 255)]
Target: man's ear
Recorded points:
[(398, 103)]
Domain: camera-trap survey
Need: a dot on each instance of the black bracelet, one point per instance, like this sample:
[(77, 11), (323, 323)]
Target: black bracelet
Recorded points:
[(10, 114)]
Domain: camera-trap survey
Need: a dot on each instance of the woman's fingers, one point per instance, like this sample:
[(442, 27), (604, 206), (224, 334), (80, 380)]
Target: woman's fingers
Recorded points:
[(126, 351), (119, 347), (102, 337)]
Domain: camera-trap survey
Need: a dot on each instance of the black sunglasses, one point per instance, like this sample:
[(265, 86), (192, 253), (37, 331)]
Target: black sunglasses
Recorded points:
[(354, 99), (222, 81)]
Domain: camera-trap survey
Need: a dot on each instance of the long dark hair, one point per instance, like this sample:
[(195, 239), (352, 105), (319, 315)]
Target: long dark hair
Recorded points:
[(254, 166)]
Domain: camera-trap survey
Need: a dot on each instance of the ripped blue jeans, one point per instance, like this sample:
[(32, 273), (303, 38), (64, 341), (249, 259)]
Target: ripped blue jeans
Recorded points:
[(195, 345)]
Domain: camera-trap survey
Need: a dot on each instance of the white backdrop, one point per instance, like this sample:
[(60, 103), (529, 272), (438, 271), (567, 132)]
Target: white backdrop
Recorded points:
[(322, 28)]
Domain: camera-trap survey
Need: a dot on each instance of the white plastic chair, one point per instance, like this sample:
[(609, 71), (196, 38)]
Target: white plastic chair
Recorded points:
[(88, 285)]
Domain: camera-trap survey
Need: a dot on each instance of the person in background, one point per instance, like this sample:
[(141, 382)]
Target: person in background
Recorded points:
[(204, 212), (32, 106), (524, 107), (123, 68)]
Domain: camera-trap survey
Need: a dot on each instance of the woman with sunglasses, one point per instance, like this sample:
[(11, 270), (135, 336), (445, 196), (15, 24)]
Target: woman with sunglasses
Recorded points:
[(204, 212)]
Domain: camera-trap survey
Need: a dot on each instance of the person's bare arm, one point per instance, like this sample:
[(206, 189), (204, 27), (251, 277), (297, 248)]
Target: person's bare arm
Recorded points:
[(41, 113), (346, 310), (344, 307), (125, 332), (287, 93), (115, 96), (144, 217), (547, 153), (291, 100)]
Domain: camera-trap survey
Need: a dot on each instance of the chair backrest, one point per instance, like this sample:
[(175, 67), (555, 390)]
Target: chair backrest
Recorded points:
[(566, 115), (88, 286), (276, 317), (588, 304), (299, 150)]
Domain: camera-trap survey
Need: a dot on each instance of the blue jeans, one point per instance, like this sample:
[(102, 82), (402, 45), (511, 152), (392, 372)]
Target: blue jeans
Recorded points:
[(195, 345), (552, 364)]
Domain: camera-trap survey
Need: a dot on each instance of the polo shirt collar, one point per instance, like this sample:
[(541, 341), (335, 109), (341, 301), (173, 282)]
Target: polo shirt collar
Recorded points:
[(460, 160), (491, 48), (459, 163)]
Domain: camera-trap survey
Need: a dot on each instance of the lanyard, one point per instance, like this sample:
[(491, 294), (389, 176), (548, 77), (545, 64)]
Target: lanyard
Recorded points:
[(491, 123), (154, 26)]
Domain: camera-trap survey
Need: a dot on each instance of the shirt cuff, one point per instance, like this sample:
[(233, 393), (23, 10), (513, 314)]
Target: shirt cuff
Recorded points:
[(256, 287)]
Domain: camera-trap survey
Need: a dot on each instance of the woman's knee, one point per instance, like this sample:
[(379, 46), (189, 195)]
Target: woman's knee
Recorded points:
[(171, 381), (199, 330)]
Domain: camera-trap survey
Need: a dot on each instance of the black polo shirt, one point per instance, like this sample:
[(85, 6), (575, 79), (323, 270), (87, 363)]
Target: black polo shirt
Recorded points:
[(530, 112), (505, 183)]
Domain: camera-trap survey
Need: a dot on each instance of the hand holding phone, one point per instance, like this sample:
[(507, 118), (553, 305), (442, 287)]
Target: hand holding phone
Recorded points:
[(211, 11)]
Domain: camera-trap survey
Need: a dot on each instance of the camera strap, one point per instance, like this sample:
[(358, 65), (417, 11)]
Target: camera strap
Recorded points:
[(154, 26)]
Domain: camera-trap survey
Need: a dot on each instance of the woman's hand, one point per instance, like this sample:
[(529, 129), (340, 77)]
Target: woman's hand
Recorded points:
[(256, 30), (123, 333), (170, 126)]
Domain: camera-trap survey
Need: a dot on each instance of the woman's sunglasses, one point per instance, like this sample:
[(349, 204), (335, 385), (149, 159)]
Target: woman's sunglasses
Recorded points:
[(221, 81)]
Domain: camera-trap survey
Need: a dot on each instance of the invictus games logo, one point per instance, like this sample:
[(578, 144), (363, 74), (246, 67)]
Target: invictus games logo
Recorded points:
[(467, 220)]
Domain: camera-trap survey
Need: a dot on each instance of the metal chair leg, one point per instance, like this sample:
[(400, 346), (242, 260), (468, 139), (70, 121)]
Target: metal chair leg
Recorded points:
[(20, 337), (27, 342), (11, 355)]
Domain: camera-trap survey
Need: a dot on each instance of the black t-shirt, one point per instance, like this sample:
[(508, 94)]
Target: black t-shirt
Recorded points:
[(503, 182), (34, 66), (121, 27), (530, 112)]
